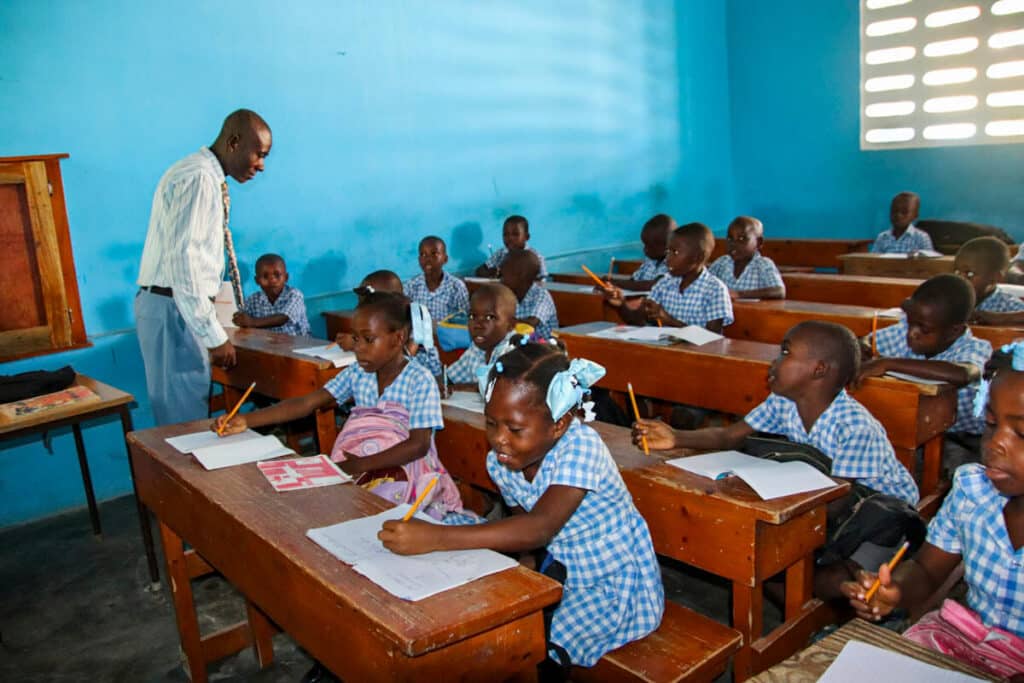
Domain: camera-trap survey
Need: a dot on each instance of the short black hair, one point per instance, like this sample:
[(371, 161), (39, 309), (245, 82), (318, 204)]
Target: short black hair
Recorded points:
[(499, 293), (835, 344), (433, 238), (522, 258), (988, 252), (949, 294), (699, 235), (267, 260), (661, 222), (393, 307), (533, 363), (516, 219)]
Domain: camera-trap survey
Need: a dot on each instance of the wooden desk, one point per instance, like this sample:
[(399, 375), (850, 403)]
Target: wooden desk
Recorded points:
[(490, 629), (877, 265), (857, 290), (787, 253), (730, 375), (810, 664), (720, 526), (111, 401), (269, 359), (575, 302)]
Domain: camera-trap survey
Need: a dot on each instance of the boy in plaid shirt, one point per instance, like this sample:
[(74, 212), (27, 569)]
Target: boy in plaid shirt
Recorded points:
[(744, 271), (654, 235), (441, 293), (515, 233), (983, 262), (536, 307), (277, 307), (903, 238), (492, 321)]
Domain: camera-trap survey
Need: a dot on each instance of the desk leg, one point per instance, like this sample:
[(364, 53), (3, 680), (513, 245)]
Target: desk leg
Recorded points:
[(799, 586), (184, 606), (262, 634), (326, 430), (144, 526), (83, 464), (748, 619), (932, 463)]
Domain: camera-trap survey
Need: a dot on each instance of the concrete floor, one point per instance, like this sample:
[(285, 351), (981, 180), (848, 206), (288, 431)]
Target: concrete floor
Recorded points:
[(77, 608)]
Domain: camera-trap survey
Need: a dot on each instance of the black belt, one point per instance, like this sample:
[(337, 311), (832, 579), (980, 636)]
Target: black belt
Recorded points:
[(157, 289)]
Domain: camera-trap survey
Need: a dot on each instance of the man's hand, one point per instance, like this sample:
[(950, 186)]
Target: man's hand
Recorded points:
[(223, 356)]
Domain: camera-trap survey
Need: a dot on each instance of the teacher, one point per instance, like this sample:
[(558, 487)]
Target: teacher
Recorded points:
[(183, 266)]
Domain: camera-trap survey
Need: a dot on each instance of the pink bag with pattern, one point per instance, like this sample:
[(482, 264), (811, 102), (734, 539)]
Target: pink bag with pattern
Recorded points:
[(957, 631)]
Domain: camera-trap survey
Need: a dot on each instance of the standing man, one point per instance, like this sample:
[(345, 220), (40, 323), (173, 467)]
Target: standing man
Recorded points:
[(183, 266)]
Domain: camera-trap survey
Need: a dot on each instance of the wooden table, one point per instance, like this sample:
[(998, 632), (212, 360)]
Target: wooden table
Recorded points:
[(857, 290), (269, 359), (730, 375), (786, 253), (490, 629), (112, 401), (720, 526), (810, 664), (920, 268)]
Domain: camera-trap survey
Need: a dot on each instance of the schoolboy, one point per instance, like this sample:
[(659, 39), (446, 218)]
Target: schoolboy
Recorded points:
[(744, 271), (277, 307), (809, 404), (441, 293), (519, 273), (903, 238), (983, 262), (689, 294), (492, 320), (515, 233), (1016, 273), (654, 235)]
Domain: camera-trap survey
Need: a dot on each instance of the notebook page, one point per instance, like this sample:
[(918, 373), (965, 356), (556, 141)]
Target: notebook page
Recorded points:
[(356, 540), (912, 378), (467, 400), (186, 443), (713, 465), (858, 662), (251, 450), (695, 334), (335, 354), (772, 479), (414, 577)]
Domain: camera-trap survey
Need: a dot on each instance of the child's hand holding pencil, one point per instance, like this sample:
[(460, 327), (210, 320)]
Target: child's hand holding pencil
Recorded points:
[(874, 596)]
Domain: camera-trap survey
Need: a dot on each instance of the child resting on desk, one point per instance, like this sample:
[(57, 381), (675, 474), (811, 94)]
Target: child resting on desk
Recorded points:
[(441, 293), (809, 405), (492, 320), (535, 307), (903, 238), (983, 262), (654, 235), (558, 474), (981, 523), (932, 341), (514, 233), (689, 294), (276, 307), (744, 271)]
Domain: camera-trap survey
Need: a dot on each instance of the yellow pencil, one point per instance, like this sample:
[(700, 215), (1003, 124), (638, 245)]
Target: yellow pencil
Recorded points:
[(419, 500), (601, 283), (636, 412), (874, 335), (892, 565), (220, 430), (659, 322)]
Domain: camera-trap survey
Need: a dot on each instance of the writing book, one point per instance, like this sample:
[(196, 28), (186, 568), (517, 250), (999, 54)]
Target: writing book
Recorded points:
[(769, 478), (330, 352), (858, 662), (693, 334), (187, 443), (240, 452), (467, 400), (302, 473)]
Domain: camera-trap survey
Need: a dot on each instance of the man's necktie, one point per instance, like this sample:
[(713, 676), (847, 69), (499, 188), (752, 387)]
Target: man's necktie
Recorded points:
[(229, 246)]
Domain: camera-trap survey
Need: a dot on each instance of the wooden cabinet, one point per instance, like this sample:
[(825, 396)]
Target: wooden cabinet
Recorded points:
[(40, 310)]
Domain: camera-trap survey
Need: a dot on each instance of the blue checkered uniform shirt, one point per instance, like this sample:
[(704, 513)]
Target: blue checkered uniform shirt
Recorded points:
[(971, 524), (450, 296), (463, 371), (760, 273), (910, 241), (538, 304), (1000, 302), (848, 434), (498, 257), (613, 592), (650, 269), (414, 388), (967, 349), (704, 300), (289, 303)]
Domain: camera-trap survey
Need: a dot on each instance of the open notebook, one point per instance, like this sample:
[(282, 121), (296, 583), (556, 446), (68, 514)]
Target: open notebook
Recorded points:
[(693, 334), (330, 352), (769, 478)]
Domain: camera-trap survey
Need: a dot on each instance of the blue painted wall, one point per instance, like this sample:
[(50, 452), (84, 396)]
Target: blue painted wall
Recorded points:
[(391, 120), (794, 75)]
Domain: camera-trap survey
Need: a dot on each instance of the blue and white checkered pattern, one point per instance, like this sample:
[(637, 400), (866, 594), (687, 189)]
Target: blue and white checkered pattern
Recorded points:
[(760, 273), (704, 300), (650, 269), (498, 257), (289, 303), (429, 359), (450, 297), (463, 371), (967, 349), (845, 432), (538, 304), (414, 388), (1000, 302), (613, 592), (971, 524), (910, 241)]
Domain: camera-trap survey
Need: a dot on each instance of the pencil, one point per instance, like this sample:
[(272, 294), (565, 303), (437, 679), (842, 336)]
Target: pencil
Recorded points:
[(611, 268), (636, 412), (892, 565), (220, 430), (659, 322), (601, 283), (419, 500), (874, 335)]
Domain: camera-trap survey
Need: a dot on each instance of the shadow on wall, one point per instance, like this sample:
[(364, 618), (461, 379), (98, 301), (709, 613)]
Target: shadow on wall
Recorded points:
[(325, 273), (464, 247)]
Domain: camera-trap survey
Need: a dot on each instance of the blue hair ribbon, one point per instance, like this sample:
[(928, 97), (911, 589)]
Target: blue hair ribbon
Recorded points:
[(568, 387), (422, 325)]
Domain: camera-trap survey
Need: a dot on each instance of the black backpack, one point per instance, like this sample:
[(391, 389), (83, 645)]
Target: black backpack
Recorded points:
[(35, 383)]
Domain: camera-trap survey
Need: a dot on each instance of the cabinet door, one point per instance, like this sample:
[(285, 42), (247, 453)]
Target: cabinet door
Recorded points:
[(34, 313)]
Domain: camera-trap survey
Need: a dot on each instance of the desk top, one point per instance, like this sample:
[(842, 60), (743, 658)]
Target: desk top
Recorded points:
[(257, 538), (810, 664), (110, 397), (278, 344)]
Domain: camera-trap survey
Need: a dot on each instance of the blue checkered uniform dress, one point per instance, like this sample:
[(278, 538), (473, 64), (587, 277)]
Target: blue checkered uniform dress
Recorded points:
[(910, 241), (1000, 302), (538, 304), (760, 273), (463, 371), (429, 359), (613, 592), (450, 296), (848, 434), (290, 303), (414, 388), (498, 257), (971, 524), (650, 269), (967, 349), (704, 300)]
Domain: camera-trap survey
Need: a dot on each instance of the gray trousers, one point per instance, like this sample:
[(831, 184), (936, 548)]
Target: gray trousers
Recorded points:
[(177, 365)]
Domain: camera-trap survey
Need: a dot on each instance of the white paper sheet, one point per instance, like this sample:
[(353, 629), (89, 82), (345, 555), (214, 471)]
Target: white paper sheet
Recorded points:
[(480, 280), (467, 400), (252, 450), (894, 312), (224, 304), (691, 333), (769, 478), (859, 662), (339, 358), (892, 256), (186, 443), (912, 378), (695, 334)]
